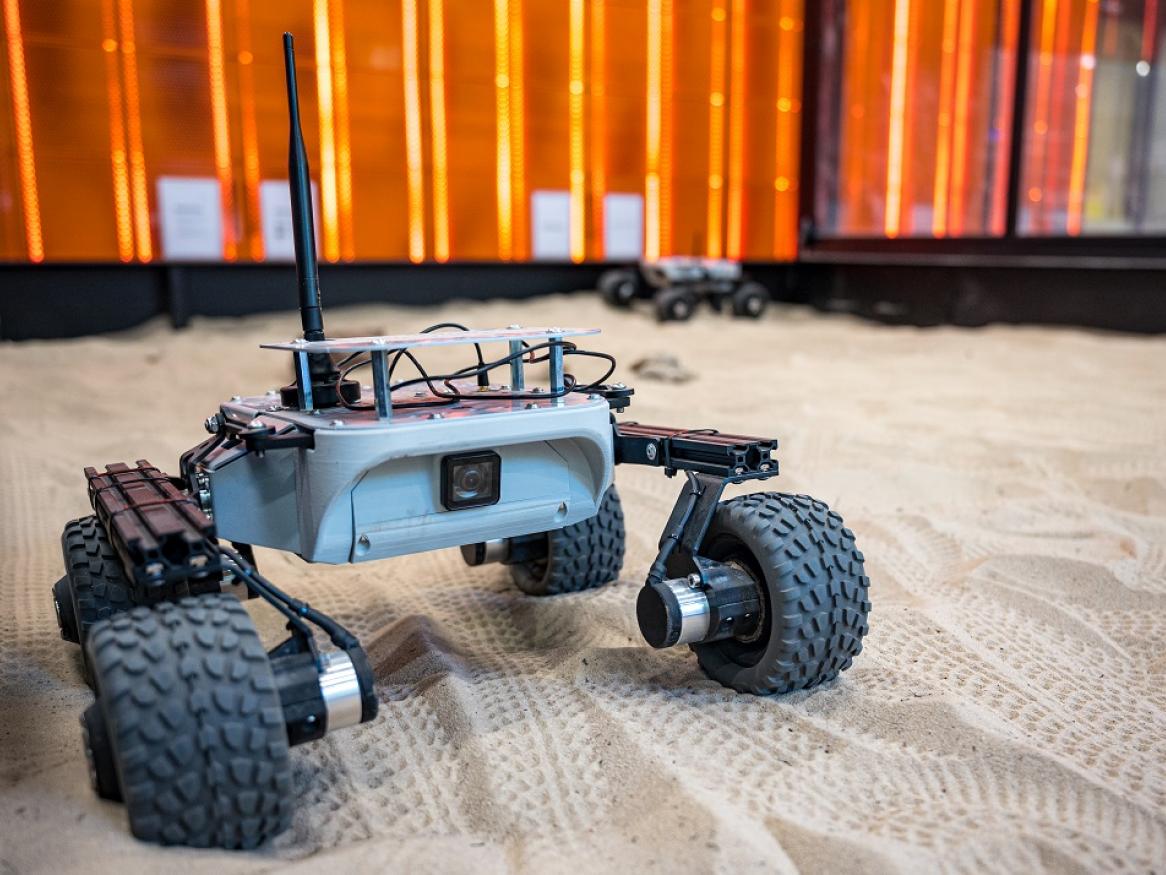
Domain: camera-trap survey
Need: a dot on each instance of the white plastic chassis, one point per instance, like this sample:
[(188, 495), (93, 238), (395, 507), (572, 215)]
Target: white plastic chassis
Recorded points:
[(370, 486)]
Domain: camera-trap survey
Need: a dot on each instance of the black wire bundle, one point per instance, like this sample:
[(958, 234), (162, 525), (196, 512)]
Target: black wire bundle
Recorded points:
[(451, 394)]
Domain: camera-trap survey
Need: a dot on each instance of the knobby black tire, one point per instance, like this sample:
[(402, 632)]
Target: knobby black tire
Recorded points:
[(195, 725), (816, 593), (581, 556)]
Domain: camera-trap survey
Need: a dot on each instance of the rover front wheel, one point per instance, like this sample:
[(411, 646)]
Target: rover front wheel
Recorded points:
[(750, 300), (675, 305), (619, 287), (581, 556), (188, 727), (816, 597)]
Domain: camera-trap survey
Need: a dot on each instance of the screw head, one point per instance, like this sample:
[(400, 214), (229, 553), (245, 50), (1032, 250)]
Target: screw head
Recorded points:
[(337, 423), (650, 452), (514, 326), (236, 398), (532, 405), (435, 416), (213, 424)]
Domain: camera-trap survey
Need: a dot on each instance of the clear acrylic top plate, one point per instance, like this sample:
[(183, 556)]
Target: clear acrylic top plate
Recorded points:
[(388, 342)]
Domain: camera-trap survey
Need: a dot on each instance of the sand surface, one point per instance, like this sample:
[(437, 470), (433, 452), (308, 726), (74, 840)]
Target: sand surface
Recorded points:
[(1008, 487)]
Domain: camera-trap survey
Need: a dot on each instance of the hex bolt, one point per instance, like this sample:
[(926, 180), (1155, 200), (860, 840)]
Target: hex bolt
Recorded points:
[(694, 581)]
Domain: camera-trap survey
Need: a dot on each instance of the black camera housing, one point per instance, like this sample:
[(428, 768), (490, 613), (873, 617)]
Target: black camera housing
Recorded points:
[(451, 473)]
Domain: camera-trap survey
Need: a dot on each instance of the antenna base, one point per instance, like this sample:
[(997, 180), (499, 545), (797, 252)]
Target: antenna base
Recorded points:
[(324, 394)]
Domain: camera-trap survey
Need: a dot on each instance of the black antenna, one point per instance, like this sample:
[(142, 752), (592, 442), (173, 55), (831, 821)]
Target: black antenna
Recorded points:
[(303, 227)]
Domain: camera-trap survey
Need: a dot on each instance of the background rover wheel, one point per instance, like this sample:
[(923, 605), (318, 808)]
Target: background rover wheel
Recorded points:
[(750, 300), (675, 305), (196, 732), (620, 288), (581, 556), (816, 602)]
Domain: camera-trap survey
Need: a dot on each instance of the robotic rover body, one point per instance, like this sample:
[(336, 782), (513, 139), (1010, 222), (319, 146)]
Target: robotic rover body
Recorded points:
[(193, 718), (677, 284)]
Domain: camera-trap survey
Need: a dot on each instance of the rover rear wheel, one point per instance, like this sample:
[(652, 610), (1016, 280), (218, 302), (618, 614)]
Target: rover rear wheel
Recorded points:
[(815, 589), (188, 726), (581, 556), (675, 305), (94, 587), (750, 300), (620, 288)]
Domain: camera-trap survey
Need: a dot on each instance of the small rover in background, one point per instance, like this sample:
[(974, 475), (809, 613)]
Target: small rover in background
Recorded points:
[(677, 284)]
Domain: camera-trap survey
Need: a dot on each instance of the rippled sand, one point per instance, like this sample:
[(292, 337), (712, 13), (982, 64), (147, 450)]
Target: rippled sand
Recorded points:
[(1007, 485)]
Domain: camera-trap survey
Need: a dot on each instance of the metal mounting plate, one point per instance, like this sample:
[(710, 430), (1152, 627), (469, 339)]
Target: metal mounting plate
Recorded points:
[(345, 345)]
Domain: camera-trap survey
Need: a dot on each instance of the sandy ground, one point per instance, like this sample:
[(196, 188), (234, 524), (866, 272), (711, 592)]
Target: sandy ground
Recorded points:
[(1008, 487)]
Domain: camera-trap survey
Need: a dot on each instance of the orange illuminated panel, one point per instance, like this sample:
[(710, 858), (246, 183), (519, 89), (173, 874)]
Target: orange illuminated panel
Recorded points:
[(1083, 105), (197, 90), (1009, 49), (139, 187), (716, 175), (222, 134), (437, 124), (23, 118), (416, 189), (578, 181)]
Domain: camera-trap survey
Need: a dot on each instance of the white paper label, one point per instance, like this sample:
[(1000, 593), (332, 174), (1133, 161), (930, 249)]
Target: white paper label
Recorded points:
[(279, 243), (550, 225), (623, 227), (191, 214)]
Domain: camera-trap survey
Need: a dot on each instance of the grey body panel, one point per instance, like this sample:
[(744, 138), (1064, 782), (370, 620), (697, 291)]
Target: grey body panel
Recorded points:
[(370, 488)]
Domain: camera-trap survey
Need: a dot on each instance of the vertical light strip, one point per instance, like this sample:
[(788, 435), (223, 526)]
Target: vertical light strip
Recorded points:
[(343, 139), (598, 124), (504, 178), (414, 177), (735, 208), (122, 208), (960, 135), (1040, 114), (947, 69), (1005, 107), (329, 212), (520, 209), (652, 158), (440, 160), (915, 32), (219, 125), (857, 77), (1149, 31), (139, 186), (897, 117), (30, 200), (250, 131), (718, 48), (789, 57), (1054, 171), (1082, 114), (578, 155), (666, 127)]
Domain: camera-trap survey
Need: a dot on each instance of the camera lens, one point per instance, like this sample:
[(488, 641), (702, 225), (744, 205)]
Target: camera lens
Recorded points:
[(468, 479), (471, 479)]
